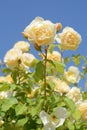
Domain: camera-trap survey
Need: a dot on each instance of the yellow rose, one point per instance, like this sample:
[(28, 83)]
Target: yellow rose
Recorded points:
[(60, 85), (83, 110), (40, 31), (72, 75), (23, 46), (7, 79), (2, 79), (13, 57), (70, 39), (28, 59), (54, 56), (75, 94)]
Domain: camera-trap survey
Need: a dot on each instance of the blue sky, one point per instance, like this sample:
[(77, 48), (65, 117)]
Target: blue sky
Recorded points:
[(16, 15)]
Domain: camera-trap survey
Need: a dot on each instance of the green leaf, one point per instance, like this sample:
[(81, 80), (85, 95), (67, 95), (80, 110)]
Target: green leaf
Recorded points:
[(51, 48), (84, 59), (33, 111), (50, 84), (66, 60), (4, 86), (70, 103), (51, 62), (70, 125), (8, 103), (76, 114), (39, 73), (20, 109), (13, 86), (76, 59), (84, 95), (85, 70), (59, 47), (21, 122), (78, 125), (6, 70), (60, 67)]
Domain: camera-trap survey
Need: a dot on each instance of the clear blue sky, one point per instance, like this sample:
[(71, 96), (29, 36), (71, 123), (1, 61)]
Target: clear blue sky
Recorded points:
[(15, 15)]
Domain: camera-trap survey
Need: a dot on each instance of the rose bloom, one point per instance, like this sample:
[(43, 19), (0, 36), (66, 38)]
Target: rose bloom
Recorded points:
[(70, 39), (59, 85), (13, 57), (83, 110), (7, 79), (54, 56), (3, 79), (28, 59), (75, 94), (23, 46), (72, 75), (40, 31)]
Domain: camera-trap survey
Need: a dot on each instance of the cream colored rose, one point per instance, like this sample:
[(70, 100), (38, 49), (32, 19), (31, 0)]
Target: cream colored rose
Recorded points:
[(7, 79), (60, 85), (75, 94), (22, 45), (13, 57), (54, 56), (72, 75), (83, 110), (2, 79), (28, 59), (70, 39), (40, 31)]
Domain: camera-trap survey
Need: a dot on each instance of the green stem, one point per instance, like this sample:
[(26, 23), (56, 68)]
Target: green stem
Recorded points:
[(45, 74), (61, 55), (45, 61)]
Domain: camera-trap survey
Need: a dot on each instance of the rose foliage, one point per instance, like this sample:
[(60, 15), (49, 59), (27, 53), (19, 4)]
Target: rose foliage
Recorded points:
[(44, 93)]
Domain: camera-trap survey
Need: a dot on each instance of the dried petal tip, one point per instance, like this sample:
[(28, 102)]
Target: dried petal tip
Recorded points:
[(58, 26), (25, 35)]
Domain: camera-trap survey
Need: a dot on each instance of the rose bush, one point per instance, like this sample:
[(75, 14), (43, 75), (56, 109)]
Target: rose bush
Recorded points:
[(40, 93)]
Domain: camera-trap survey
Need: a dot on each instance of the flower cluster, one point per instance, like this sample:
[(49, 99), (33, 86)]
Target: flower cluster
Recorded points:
[(19, 56), (43, 93)]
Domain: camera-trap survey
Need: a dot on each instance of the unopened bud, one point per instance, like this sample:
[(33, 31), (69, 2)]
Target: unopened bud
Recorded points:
[(0, 62), (58, 27), (25, 35), (83, 67), (37, 47)]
